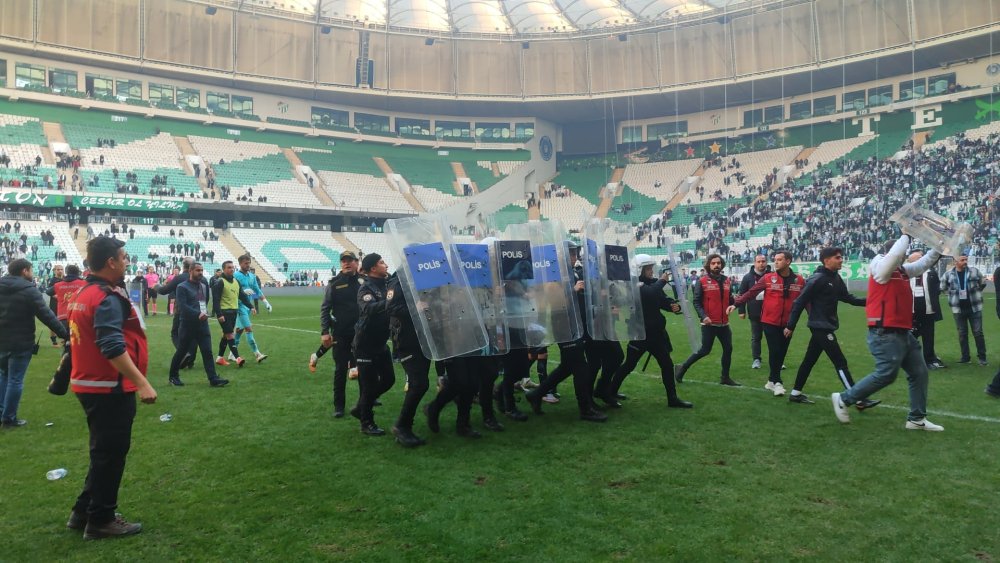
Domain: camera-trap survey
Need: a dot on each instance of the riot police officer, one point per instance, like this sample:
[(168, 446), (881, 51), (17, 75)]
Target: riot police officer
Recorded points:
[(375, 372), (338, 315), (657, 341), (406, 346)]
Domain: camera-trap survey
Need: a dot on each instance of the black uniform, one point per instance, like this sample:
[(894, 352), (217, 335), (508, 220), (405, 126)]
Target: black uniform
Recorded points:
[(823, 290), (407, 350), (752, 310), (338, 315), (170, 288), (573, 361), (193, 330), (657, 341), (375, 373)]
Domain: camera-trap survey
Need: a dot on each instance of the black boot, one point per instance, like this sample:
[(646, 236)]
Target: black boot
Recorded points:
[(493, 424), (593, 415), (467, 432), (535, 400), (433, 417), (676, 403), (369, 428), (406, 438)]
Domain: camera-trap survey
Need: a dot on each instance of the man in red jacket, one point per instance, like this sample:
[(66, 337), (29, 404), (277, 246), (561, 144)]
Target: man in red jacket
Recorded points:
[(780, 288), (108, 344), (713, 300)]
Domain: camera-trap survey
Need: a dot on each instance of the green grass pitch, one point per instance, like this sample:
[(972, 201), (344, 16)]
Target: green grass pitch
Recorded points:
[(260, 471)]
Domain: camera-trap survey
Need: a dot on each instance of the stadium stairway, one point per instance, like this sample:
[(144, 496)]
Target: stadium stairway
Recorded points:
[(346, 243), (534, 213), (495, 168), (53, 134), (383, 165), (919, 139), (81, 241), (459, 171), (317, 189), (234, 246), (606, 202), (414, 202)]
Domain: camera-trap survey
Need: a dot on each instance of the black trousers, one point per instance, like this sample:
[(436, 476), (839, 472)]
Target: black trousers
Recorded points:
[(604, 356), (460, 385), (777, 349), (417, 368), (573, 361), (756, 331), (923, 328), (189, 337), (708, 336), (484, 371), (343, 357), (657, 347), (375, 377), (175, 325), (109, 419), (823, 341), (515, 368)]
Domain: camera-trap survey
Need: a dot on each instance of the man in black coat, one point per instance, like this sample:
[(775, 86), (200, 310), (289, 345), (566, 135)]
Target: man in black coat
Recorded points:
[(822, 292), (20, 304), (753, 308), (926, 310), (170, 289), (337, 318), (192, 310)]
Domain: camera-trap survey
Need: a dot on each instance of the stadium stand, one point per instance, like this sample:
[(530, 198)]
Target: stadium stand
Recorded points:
[(20, 140), (644, 178), (62, 241), (373, 242), (362, 192), (148, 244), (432, 199), (302, 251)]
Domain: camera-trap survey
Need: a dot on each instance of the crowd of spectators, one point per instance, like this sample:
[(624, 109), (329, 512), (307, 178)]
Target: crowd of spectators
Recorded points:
[(848, 203)]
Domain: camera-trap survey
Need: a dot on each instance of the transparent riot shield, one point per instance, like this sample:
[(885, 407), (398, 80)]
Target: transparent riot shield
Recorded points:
[(691, 322), (444, 313), (543, 301), (135, 295), (940, 233), (614, 311), (478, 263)]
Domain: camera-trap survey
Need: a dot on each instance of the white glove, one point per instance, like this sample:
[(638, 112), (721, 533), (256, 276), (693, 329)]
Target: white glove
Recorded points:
[(267, 305)]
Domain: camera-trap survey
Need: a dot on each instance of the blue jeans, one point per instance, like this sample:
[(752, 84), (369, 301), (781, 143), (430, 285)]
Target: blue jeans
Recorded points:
[(964, 319), (893, 350), (13, 366)]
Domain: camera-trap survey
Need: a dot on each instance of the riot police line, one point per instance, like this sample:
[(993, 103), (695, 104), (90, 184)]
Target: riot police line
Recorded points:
[(474, 310)]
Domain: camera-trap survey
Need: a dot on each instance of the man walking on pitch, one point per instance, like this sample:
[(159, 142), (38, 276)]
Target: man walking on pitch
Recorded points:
[(713, 300), (823, 290), (337, 318), (250, 285), (226, 299), (965, 285), (780, 288), (191, 301), (752, 308), (926, 310), (889, 309)]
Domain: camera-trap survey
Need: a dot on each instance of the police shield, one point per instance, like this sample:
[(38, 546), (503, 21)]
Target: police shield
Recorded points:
[(136, 295), (538, 286), (445, 316), (614, 311), (691, 323), (478, 261)]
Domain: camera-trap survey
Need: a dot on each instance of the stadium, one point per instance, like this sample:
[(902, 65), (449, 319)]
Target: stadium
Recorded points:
[(293, 130)]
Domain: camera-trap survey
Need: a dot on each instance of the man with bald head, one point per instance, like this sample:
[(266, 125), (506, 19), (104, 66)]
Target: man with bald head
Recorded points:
[(752, 308), (926, 310)]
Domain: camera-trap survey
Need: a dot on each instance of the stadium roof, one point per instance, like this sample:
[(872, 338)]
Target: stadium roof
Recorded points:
[(513, 17)]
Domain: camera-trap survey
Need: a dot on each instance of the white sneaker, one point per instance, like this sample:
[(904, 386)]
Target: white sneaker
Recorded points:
[(783, 366), (551, 399), (923, 424), (769, 386), (260, 357), (778, 389), (755, 364), (231, 357), (840, 409)]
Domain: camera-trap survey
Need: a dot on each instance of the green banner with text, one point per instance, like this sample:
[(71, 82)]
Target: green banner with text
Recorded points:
[(34, 200), (129, 203), (852, 270)]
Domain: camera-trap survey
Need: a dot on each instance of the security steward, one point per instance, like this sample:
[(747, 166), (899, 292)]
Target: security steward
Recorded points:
[(780, 288), (573, 359), (408, 352), (191, 305), (657, 341), (713, 300), (110, 358), (63, 292), (375, 372), (338, 315)]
